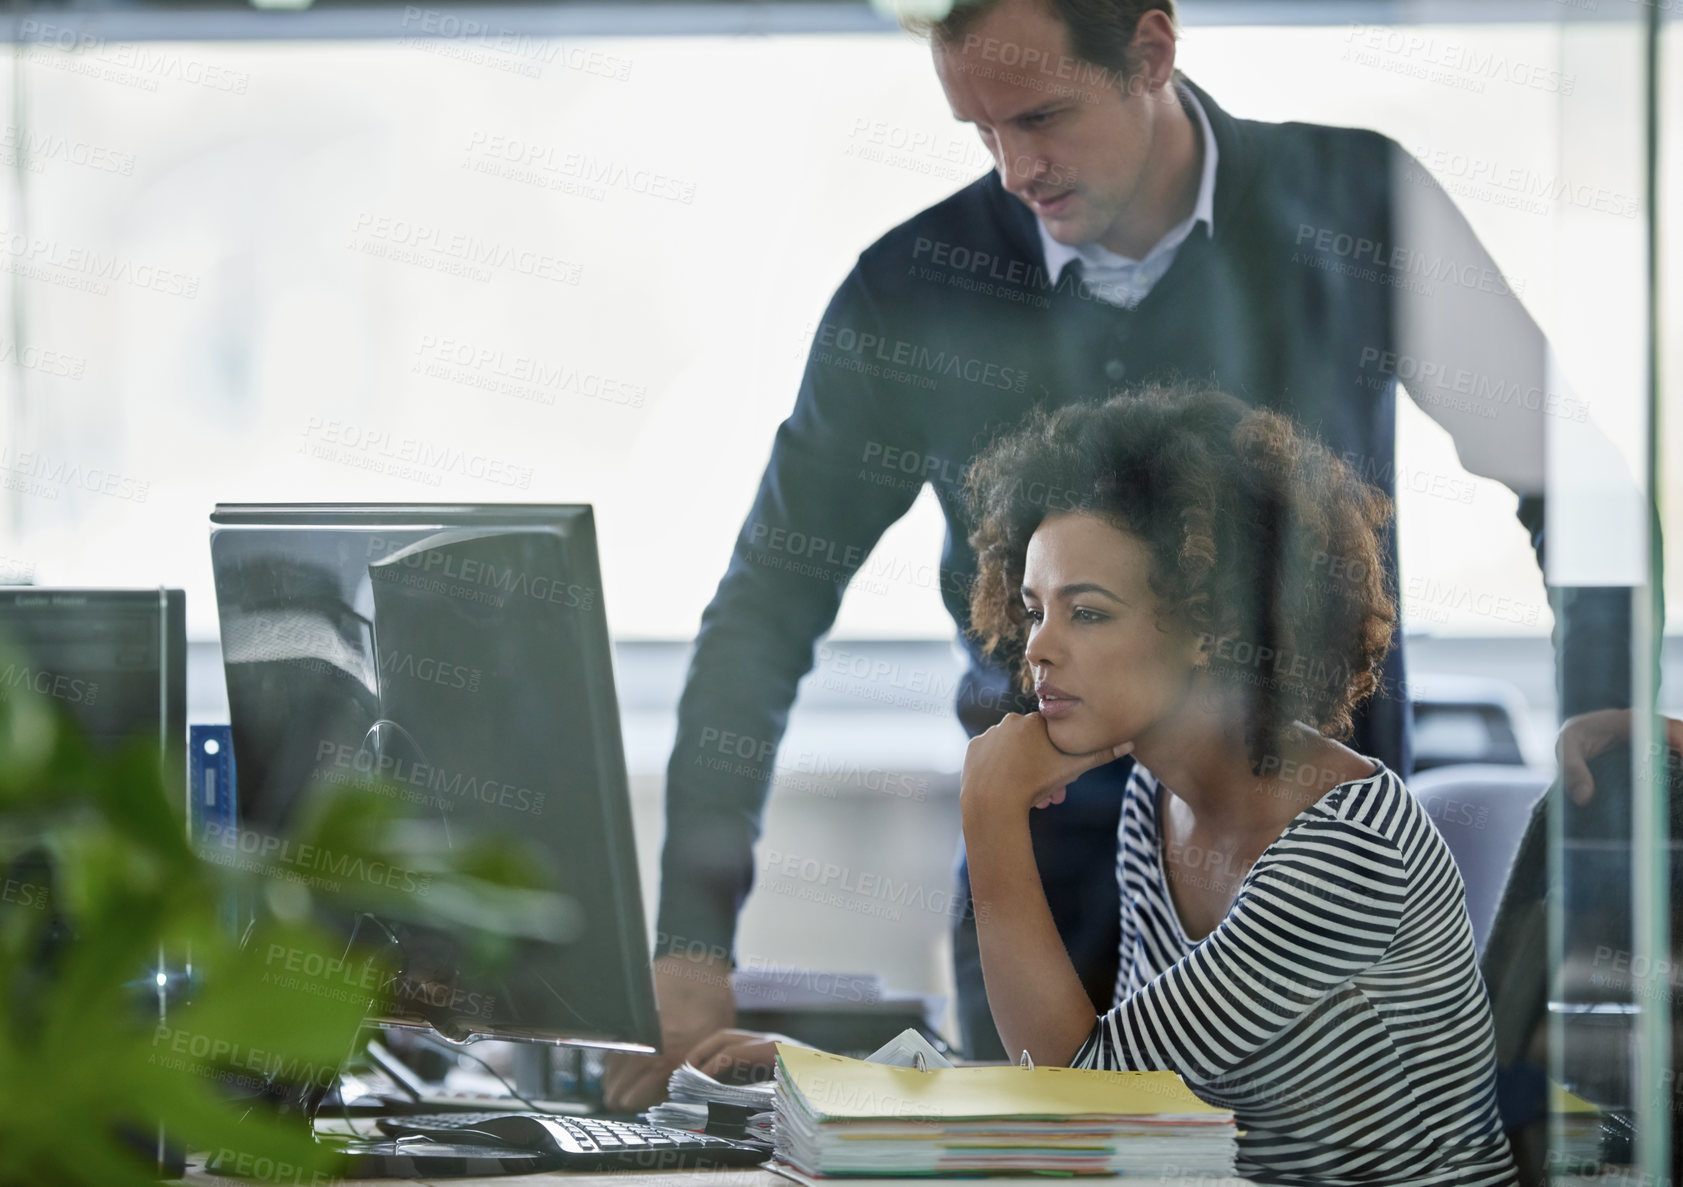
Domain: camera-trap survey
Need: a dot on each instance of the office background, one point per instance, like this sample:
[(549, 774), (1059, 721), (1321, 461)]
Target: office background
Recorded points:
[(577, 254)]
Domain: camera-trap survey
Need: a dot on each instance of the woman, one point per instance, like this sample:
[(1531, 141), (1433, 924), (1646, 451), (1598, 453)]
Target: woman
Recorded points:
[(1192, 582)]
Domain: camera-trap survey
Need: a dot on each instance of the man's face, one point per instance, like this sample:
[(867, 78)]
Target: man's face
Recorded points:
[(1071, 140)]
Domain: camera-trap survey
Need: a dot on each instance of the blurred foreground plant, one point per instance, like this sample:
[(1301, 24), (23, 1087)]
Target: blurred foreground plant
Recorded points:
[(100, 888)]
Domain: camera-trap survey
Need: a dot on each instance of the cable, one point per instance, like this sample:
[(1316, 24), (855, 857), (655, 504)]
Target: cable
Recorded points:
[(428, 1040), (345, 1116)]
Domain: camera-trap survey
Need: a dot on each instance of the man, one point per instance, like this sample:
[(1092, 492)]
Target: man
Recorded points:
[(1132, 230)]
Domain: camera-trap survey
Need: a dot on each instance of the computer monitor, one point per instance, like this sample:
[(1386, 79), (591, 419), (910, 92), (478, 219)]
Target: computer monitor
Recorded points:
[(112, 665), (112, 661), (462, 653)]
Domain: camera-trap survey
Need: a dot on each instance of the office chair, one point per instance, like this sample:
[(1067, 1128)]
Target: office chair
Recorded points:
[(1482, 811), (1595, 886)]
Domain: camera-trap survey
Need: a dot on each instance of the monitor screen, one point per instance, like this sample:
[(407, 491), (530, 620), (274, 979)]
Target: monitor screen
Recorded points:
[(461, 655), (112, 661)]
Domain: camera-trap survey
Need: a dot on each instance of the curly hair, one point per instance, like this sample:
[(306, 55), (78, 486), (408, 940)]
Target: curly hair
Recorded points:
[(1262, 542)]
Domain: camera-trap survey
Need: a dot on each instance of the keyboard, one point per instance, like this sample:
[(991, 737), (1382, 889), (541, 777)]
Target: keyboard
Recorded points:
[(581, 1143)]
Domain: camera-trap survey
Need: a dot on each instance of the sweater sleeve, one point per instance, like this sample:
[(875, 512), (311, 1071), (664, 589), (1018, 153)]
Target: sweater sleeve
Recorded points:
[(1473, 359), (1309, 918), (1467, 350), (820, 509)]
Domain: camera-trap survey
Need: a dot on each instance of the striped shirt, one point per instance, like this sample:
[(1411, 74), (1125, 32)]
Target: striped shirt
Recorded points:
[(1338, 1008)]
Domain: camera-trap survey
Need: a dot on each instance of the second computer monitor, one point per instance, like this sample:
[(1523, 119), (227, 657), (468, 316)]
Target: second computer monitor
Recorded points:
[(461, 654)]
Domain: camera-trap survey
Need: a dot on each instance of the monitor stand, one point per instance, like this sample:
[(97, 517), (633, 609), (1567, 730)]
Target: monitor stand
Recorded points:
[(418, 1095)]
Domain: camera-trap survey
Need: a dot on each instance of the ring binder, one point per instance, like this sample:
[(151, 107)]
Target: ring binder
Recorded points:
[(848, 1117)]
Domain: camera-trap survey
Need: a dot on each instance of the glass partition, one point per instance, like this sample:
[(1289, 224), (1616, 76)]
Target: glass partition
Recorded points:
[(469, 262)]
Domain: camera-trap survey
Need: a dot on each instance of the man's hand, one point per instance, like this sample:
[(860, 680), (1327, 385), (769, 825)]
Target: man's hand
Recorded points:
[(1014, 765), (695, 1002), (1587, 735), (739, 1056)]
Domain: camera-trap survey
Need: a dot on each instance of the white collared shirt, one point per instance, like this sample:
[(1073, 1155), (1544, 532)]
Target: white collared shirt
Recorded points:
[(1118, 280)]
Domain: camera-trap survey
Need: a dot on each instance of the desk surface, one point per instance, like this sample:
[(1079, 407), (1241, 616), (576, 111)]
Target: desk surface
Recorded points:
[(720, 1178), (197, 1176)]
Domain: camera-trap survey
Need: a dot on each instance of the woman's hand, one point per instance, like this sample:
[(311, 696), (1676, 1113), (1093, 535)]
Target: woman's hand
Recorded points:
[(1014, 766), (1036, 998)]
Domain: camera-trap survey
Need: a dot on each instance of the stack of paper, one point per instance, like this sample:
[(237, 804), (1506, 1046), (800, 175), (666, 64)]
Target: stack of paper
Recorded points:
[(909, 1049), (840, 1117), (1578, 1131), (777, 992), (691, 1091), (776, 987)]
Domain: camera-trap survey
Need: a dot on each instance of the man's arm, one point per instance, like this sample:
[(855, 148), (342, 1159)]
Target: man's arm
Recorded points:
[(1480, 366), (813, 522), (1591, 634)]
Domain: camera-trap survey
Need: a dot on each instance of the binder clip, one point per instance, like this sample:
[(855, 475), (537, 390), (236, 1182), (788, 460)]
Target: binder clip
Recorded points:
[(728, 1121), (919, 1062), (1025, 1061)]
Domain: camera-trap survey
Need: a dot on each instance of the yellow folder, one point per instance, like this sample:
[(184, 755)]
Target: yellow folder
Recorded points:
[(839, 1089), (1568, 1103)]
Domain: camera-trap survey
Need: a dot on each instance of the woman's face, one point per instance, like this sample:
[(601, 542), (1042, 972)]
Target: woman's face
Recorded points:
[(1108, 665)]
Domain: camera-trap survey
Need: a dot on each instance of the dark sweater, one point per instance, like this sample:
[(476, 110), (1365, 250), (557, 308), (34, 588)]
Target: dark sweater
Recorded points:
[(1315, 291)]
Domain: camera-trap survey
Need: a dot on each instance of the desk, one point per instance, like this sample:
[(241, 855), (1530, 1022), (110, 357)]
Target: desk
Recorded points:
[(722, 1178), (197, 1176)]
